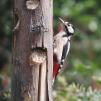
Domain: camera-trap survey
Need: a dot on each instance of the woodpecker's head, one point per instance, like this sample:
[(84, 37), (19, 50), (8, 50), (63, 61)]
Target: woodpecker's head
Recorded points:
[(68, 27)]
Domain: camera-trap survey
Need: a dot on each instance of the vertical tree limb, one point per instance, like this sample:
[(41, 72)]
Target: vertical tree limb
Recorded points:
[(32, 51)]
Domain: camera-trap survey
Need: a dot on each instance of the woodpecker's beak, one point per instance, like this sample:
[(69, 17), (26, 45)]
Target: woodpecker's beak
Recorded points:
[(62, 20)]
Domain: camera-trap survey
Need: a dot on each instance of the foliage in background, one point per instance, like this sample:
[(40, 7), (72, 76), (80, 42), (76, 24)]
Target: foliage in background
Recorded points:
[(84, 66), (5, 95), (76, 93), (84, 58), (5, 48)]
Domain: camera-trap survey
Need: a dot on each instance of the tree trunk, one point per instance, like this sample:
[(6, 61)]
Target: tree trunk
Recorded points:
[(32, 50)]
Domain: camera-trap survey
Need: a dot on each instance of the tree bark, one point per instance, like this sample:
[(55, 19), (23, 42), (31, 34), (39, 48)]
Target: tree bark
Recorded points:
[(32, 50)]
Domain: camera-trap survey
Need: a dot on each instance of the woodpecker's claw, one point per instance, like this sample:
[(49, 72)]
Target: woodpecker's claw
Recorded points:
[(61, 20)]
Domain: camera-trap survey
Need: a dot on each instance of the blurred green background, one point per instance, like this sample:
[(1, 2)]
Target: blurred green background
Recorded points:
[(84, 60)]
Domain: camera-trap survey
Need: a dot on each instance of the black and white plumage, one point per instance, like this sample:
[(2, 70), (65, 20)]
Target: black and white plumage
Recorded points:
[(61, 46)]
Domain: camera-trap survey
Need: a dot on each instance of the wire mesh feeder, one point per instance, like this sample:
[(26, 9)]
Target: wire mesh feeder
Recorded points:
[(37, 56), (32, 4)]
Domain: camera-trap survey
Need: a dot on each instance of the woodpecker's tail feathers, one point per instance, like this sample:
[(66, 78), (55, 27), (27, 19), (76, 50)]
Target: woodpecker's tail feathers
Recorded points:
[(55, 71)]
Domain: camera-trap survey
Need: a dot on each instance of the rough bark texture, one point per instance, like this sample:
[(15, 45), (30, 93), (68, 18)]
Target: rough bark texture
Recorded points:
[(31, 77)]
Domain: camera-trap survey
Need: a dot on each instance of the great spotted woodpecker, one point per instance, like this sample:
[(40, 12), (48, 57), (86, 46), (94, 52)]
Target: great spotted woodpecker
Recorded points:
[(61, 46)]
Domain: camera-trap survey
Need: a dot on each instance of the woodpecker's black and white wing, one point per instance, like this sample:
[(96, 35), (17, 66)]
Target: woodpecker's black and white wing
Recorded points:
[(66, 49)]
